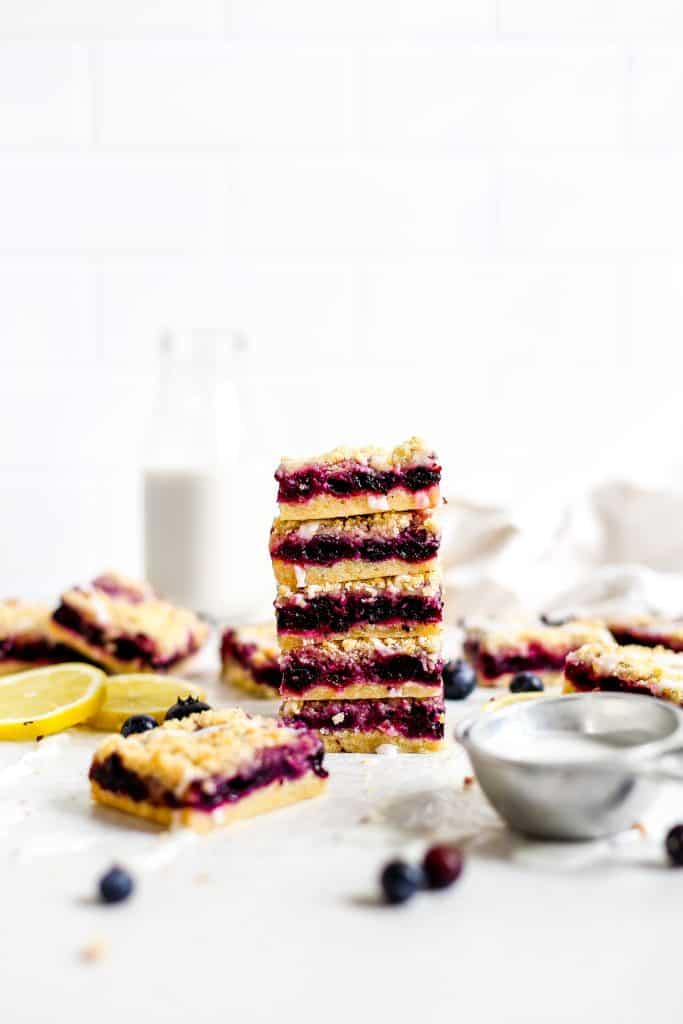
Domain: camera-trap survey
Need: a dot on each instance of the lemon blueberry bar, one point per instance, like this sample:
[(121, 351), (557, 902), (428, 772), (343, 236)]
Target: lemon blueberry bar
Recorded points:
[(498, 651), (355, 548), (388, 606), (249, 657), (359, 481), (361, 726), (24, 639), (656, 671), (363, 667), (647, 631), (123, 626), (208, 769)]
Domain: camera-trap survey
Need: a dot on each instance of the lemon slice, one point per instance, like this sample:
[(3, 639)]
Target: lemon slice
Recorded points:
[(511, 698), (43, 701), (140, 693)]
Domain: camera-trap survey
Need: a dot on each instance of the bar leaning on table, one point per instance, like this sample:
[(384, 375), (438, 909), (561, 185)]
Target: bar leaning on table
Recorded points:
[(359, 606)]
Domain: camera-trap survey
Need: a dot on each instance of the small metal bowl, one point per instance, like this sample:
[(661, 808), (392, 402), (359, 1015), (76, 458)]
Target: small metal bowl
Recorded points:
[(573, 767)]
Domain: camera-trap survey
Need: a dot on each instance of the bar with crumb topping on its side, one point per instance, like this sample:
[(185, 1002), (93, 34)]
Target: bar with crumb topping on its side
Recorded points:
[(208, 769), (647, 630), (359, 481), (322, 551), (250, 659), (25, 640), (654, 671), (404, 605), (122, 626), (362, 668), (498, 651), (362, 726)]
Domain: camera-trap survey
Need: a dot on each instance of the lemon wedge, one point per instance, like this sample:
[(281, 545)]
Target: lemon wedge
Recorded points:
[(511, 698), (43, 701), (140, 693)]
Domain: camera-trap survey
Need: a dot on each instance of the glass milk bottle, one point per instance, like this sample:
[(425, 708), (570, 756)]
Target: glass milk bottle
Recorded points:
[(194, 438)]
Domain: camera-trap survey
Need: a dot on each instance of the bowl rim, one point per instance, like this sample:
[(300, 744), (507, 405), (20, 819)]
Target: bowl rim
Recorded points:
[(616, 760)]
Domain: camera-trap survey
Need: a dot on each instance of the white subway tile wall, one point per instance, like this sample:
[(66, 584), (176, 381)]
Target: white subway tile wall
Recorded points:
[(455, 217)]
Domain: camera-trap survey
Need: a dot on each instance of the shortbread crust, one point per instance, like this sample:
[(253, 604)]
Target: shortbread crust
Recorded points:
[(344, 571), (350, 742), (270, 798)]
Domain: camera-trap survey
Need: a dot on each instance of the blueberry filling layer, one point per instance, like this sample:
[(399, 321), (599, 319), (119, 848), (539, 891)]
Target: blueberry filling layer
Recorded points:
[(339, 613), (267, 674), (414, 719), (274, 764), (584, 678), (31, 651), (535, 657), (346, 480), (411, 545), (125, 648), (304, 669), (649, 639)]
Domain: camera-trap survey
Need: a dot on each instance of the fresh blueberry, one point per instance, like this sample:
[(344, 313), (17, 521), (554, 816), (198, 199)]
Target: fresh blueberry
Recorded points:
[(459, 679), (442, 866), (138, 723), (115, 886), (186, 706), (525, 682), (400, 881), (674, 845)]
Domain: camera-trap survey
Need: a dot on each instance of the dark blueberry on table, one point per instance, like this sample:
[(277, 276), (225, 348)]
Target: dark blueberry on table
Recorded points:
[(185, 706), (526, 682), (442, 866), (400, 881), (115, 886), (459, 679), (674, 845), (138, 723)]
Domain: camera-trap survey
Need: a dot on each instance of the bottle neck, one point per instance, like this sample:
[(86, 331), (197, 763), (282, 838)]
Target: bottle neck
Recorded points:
[(194, 423)]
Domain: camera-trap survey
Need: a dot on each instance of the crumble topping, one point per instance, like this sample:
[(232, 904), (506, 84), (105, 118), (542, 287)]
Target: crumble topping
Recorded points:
[(199, 747), (170, 628), (22, 618), (647, 625), (389, 524), (115, 583), (633, 664), (424, 583), (413, 452), (361, 647), (494, 638)]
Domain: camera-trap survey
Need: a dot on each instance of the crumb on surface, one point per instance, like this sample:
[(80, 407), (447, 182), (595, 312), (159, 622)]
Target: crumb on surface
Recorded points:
[(638, 826), (94, 951), (468, 781)]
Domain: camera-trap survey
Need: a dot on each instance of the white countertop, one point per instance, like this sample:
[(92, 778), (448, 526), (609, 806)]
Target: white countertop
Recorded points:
[(277, 918)]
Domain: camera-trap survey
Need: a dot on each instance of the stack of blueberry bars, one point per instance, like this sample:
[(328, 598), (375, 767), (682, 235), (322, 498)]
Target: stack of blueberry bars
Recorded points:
[(359, 604)]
